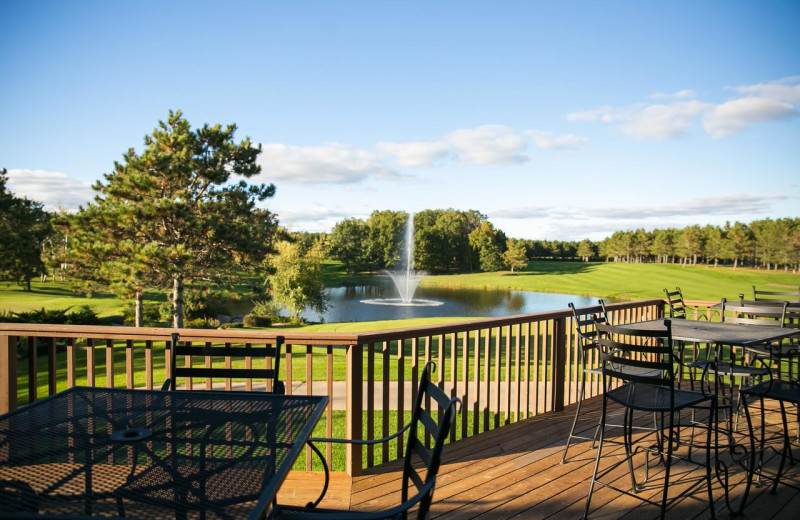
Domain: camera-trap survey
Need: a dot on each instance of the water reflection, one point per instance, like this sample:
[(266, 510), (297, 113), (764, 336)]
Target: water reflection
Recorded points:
[(345, 303)]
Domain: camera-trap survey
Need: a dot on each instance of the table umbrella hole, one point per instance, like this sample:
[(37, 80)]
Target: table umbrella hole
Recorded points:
[(131, 435)]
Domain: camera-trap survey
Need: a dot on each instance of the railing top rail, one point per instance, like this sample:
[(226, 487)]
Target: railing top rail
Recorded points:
[(301, 338), (450, 328), (165, 334)]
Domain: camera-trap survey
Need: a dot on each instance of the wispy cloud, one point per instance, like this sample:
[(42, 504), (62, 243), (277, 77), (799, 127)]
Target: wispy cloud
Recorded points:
[(681, 94), (736, 115), (724, 205), (488, 145), (417, 154), (661, 121), (548, 141), (332, 163), (521, 213), (53, 189)]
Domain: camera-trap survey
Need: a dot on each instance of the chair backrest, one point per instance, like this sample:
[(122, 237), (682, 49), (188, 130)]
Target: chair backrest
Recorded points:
[(585, 319), (438, 430), (260, 353), (677, 309), (649, 360), (760, 313), (786, 295)]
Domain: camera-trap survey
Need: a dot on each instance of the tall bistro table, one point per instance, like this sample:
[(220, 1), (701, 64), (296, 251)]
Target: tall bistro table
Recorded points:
[(731, 334), (94, 452)]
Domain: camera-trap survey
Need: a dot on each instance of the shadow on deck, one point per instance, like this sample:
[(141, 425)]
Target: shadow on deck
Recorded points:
[(515, 472)]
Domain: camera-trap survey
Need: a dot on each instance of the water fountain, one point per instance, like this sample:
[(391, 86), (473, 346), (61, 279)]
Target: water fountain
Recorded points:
[(406, 278)]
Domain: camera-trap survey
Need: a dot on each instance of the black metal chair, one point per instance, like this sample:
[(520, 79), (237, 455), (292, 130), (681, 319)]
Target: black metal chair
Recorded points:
[(651, 350), (783, 392), (677, 308), (206, 351), (415, 448), (767, 295), (585, 320)]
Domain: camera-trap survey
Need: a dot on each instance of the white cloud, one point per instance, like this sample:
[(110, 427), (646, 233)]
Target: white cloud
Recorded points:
[(732, 116), (520, 213), (416, 154), (332, 163), (488, 145), (53, 189), (647, 121), (660, 121), (723, 205), (681, 94), (786, 89), (546, 140)]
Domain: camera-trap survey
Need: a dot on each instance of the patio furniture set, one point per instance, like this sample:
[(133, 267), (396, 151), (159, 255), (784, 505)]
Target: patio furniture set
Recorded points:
[(750, 354)]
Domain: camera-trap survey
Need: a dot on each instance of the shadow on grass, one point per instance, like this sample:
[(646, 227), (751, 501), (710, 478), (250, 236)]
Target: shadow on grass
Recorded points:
[(556, 268)]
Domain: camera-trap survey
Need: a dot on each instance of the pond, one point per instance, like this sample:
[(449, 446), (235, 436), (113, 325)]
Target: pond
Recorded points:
[(346, 303)]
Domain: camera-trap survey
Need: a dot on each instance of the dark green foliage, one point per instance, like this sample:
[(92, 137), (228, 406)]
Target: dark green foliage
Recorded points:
[(83, 315), (251, 320), (24, 226)]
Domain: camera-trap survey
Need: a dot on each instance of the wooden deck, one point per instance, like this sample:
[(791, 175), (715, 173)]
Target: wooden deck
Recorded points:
[(515, 472)]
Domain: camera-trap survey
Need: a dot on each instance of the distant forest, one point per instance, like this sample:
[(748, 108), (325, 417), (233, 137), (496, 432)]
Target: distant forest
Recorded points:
[(463, 241)]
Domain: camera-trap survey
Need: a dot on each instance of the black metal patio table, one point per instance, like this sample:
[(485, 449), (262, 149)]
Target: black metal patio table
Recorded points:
[(97, 452), (720, 333)]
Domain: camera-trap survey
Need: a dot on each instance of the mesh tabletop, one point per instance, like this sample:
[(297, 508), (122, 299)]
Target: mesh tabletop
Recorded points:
[(151, 454), (721, 333)]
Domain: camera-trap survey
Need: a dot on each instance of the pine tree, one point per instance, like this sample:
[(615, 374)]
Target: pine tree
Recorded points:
[(171, 214)]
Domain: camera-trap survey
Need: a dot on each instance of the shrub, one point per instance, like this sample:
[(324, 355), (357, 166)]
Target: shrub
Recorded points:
[(251, 320)]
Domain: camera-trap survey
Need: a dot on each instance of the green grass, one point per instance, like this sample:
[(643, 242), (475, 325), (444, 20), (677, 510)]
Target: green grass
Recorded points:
[(620, 281), (54, 295)]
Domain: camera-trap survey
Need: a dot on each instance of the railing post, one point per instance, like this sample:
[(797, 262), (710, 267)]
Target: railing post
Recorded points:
[(559, 362), (8, 373), (355, 406)]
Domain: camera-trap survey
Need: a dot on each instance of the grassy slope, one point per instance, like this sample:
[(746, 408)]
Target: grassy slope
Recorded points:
[(54, 295), (623, 281)]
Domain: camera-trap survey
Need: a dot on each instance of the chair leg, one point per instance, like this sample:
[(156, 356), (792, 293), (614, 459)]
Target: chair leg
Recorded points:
[(575, 420), (667, 465), (711, 424), (597, 459), (787, 446)]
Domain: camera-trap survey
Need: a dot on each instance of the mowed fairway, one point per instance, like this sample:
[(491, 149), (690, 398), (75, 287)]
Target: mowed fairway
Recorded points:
[(622, 281)]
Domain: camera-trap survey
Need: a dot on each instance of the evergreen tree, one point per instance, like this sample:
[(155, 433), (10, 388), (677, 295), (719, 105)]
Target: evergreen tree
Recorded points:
[(24, 227), (171, 214), (515, 256)]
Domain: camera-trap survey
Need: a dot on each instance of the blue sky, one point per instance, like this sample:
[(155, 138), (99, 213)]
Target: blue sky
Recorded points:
[(558, 120)]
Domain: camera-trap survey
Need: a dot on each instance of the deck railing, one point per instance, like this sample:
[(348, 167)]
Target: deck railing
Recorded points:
[(503, 369)]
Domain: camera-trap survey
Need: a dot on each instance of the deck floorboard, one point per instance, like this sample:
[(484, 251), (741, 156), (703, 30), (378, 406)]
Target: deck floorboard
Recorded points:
[(515, 472)]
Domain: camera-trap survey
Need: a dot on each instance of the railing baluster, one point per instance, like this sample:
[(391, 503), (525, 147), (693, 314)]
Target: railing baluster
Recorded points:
[(52, 384), (148, 364), (465, 380), (385, 399), (110, 363), (70, 362), (32, 372), (90, 363), (370, 403), (401, 405)]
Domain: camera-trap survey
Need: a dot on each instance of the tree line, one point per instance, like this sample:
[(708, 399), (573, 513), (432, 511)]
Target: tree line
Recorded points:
[(465, 241)]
